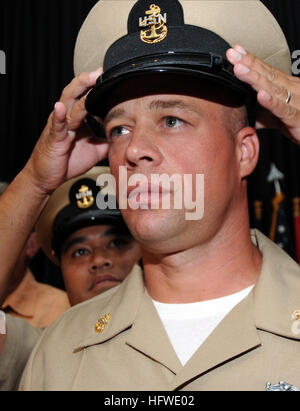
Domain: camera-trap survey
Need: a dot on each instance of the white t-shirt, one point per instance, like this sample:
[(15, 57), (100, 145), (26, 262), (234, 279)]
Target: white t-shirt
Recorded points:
[(188, 325)]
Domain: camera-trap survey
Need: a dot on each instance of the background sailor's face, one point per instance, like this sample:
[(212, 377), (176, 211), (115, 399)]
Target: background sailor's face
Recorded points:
[(95, 259), (175, 134)]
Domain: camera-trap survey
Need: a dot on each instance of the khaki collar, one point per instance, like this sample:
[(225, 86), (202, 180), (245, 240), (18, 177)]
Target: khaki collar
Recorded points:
[(268, 307), (22, 300), (277, 292), (234, 336), (121, 303)]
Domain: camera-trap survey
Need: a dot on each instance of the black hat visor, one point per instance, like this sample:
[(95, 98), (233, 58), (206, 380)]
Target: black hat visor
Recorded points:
[(198, 53)]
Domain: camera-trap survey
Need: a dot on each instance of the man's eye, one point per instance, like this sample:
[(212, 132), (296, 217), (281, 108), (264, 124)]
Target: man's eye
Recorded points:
[(117, 243), (173, 122), (79, 252), (118, 131)]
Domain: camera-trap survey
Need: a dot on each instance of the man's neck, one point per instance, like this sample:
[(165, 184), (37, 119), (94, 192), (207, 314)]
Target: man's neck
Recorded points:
[(215, 269)]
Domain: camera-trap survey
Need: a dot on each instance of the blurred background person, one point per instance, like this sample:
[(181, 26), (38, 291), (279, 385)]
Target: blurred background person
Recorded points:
[(37, 303), (94, 250), (3, 186), (93, 247)]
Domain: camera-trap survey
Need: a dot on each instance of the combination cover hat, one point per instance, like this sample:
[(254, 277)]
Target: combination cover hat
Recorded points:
[(72, 206), (187, 37)]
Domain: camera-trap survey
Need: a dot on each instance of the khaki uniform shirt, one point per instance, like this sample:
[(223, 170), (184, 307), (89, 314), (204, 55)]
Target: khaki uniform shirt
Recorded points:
[(19, 342), (37, 303), (256, 343)]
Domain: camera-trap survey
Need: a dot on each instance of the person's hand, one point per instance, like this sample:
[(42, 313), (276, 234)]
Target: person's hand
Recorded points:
[(66, 148), (277, 93)]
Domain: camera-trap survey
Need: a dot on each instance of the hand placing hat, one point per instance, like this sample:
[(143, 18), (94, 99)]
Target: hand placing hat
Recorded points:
[(66, 147), (277, 92)]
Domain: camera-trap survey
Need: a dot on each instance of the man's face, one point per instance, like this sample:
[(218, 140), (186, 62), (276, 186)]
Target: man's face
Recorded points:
[(95, 259), (175, 134)]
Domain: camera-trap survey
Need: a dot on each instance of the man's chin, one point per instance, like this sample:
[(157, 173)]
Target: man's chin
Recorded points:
[(152, 227)]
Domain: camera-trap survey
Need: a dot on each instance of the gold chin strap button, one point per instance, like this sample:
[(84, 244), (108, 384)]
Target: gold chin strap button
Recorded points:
[(102, 323)]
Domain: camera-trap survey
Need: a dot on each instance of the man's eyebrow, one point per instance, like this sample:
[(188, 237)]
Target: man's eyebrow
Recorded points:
[(106, 233), (154, 105), (165, 104), (109, 231), (117, 230), (113, 114), (73, 241)]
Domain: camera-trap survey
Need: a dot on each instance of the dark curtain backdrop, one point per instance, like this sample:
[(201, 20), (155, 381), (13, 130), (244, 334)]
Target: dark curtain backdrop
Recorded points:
[(38, 38)]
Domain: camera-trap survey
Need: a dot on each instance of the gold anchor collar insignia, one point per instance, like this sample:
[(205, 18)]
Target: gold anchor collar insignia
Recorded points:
[(102, 323), (155, 25), (296, 315), (85, 197)]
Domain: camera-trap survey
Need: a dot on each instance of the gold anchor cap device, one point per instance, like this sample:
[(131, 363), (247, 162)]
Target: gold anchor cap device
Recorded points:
[(155, 25), (160, 45), (74, 205), (84, 197)]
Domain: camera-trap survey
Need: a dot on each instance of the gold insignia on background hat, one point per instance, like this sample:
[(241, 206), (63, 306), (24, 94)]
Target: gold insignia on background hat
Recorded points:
[(101, 323), (85, 197), (156, 22)]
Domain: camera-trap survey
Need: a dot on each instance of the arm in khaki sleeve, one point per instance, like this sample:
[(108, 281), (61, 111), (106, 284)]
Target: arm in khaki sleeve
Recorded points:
[(20, 340), (40, 364), (278, 108), (27, 381), (64, 150)]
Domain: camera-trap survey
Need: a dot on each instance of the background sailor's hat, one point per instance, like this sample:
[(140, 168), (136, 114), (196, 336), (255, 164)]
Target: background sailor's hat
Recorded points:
[(71, 207)]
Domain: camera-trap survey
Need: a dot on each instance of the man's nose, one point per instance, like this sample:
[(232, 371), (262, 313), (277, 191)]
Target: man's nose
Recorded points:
[(100, 260), (142, 149)]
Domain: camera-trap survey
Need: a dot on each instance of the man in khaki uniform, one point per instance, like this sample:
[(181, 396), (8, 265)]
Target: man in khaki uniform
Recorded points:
[(37, 303), (255, 344), (93, 247), (17, 339), (94, 250), (215, 309)]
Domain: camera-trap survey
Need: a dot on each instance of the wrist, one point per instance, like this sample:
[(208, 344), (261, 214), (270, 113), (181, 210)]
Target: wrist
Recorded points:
[(34, 181)]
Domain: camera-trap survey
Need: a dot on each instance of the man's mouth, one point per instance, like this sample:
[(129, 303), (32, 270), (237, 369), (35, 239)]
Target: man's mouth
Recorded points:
[(103, 280), (147, 193)]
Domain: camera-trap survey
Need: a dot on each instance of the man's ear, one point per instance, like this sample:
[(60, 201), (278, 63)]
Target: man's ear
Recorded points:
[(247, 146)]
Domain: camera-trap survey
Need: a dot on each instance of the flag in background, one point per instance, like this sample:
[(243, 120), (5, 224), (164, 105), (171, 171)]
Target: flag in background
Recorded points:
[(280, 231)]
